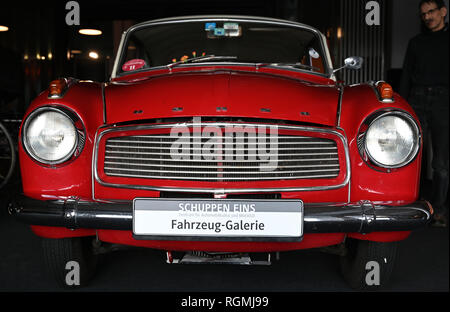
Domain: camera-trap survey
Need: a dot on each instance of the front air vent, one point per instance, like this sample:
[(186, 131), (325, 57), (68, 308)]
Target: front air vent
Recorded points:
[(287, 157)]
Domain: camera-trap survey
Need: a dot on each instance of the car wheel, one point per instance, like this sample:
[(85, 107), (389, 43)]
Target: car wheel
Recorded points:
[(71, 261), (368, 265)]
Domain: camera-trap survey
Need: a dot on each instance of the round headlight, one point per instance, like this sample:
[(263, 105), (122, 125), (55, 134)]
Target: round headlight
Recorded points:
[(50, 136), (392, 141)]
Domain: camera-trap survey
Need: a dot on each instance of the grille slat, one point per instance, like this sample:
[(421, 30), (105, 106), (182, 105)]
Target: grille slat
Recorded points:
[(223, 142), (220, 149), (220, 179), (237, 159), (218, 172), (168, 137), (159, 160), (196, 154), (212, 167)]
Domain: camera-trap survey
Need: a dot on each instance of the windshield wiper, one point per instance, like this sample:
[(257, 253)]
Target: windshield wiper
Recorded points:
[(200, 59), (295, 65)]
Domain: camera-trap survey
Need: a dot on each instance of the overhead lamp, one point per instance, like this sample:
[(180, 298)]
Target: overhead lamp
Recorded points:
[(93, 55), (4, 28), (90, 32)]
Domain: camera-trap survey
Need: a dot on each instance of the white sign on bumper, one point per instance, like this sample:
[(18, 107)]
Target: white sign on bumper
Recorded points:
[(240, 220)]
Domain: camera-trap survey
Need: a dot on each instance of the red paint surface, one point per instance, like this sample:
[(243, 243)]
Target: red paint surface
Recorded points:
[(243, 94), (384, 237), (60, 232), (199, 90)]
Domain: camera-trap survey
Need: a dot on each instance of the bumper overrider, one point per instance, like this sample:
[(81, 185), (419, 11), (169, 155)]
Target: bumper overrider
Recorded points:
[(362, 217)]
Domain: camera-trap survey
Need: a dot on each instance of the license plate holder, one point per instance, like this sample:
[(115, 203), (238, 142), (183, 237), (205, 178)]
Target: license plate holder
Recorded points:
[(218, 219)]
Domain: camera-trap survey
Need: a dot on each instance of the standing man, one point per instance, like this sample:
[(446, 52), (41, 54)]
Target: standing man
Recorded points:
[(424, 84)]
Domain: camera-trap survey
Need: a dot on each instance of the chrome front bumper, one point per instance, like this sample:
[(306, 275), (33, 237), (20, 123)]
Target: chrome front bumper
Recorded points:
[(361, 217)]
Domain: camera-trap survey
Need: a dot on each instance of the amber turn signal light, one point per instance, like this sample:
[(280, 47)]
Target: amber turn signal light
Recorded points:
[(385, 90), (57, 87)]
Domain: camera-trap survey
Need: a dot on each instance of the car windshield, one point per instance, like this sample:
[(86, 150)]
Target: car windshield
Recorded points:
[(197, 42)]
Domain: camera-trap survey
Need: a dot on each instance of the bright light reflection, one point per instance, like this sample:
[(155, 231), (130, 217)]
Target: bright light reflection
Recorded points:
[(93, 55), (90, 32)]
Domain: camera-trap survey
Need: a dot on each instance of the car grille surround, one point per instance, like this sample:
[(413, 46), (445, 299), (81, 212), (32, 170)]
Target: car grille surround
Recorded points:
[(234, 158)]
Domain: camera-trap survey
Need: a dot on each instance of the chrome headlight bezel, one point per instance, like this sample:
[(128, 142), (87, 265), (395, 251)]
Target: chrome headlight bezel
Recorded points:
[(362, 142), (78, 131)]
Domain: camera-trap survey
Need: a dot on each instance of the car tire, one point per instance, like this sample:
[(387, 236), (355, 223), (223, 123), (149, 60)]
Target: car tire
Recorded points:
[(368, 265), (66, 257)]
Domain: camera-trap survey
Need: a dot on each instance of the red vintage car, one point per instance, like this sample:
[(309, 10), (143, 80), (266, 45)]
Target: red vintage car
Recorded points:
[(218, 139)]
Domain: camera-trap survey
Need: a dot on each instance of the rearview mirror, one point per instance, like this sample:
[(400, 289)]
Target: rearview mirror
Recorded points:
[(352, 62)]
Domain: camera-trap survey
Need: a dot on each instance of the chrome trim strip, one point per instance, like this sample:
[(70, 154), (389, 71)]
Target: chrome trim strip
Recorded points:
[(218, 190), (224, 160), (93, 163), (349, 181), (225, 18), (222, 172), (228, 149), (214, 179), (104, 102), (224, 143), (339, 108), (118, 55), (187, 154), (247, 137), (221, 167)]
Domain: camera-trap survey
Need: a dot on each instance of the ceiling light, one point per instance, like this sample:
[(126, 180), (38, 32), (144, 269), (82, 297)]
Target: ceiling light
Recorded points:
[(4, 28), (90, 32), (93, 55)]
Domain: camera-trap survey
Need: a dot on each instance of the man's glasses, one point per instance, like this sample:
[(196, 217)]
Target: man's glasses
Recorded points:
[(422, 15)]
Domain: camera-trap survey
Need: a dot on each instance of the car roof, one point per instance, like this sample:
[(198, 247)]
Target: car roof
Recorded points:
[(221, 17)]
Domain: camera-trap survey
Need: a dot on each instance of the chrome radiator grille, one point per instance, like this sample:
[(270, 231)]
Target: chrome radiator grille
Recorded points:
[(150, 157)]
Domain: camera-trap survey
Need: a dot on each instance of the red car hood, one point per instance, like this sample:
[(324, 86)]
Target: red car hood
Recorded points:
[(224, 93)]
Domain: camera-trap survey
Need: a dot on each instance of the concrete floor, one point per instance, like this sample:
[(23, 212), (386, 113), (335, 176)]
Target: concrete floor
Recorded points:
[(422, 265)]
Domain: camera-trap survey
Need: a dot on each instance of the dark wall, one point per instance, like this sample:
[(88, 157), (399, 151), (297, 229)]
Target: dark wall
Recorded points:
[(43, 43)]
